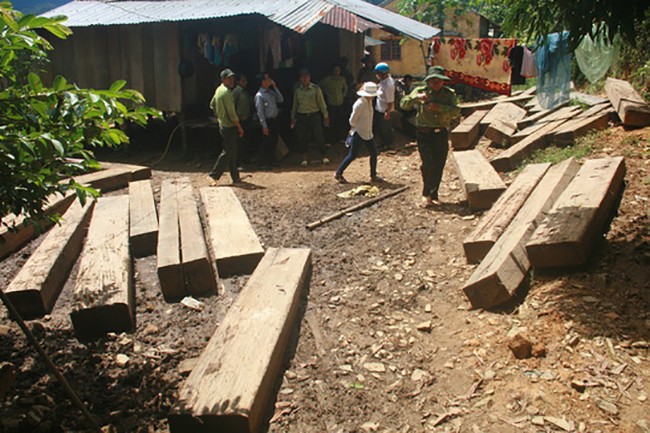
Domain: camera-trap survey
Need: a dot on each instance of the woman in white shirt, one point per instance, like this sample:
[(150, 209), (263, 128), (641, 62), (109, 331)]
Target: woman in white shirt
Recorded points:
[(361, 132)]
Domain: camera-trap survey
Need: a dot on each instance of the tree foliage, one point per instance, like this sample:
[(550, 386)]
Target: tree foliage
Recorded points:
[(43, 127)]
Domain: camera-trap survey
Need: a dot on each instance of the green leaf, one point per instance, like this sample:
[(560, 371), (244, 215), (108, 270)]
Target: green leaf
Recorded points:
[(117, 86), (59, 83), (35, 82)]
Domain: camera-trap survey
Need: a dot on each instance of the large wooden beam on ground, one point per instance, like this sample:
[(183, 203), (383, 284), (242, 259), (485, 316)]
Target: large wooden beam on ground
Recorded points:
[(466, 134), (495, 221), (536, 117), (234, 245), (567, 236), (506, 265), (630, 106), (170, 270), (504, 112), (231, 387), (143, 219), (15, 231), (481, 183), (114, 177), (585, 98), (104, 298), (469, 108), (197, 266), (594, 119), (37, 286), (564, 113)]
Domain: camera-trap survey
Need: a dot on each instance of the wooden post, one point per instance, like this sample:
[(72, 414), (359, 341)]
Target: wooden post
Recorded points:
[(630, 106), (481, 183), (170, 271), (142, 219)]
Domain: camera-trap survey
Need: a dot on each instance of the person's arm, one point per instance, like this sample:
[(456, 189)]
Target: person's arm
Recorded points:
[(294, 108), (344, 88), (412, 100), (354, 116), (390, 99), (278, 96), (320, 101), (229, 106), (259, 108)]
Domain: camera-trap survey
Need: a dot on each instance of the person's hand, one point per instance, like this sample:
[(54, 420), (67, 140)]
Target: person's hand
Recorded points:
[(265, 131), (293, 123), (272, 84), (422, 97), (326, 121), (241, 131), (387, 115)]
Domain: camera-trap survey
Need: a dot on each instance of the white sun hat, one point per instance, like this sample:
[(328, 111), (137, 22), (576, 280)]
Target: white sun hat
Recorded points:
[(368, 89)]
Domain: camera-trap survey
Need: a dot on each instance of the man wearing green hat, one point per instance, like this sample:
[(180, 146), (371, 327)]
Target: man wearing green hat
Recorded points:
[(436, 108)]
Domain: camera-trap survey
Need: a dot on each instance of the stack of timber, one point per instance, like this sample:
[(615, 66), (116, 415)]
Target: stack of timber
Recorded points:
[(104, 300), (184, 265), (481, 183), (495, 221), (501, 123), (630, 106), (465, 135), (578, 218), (234, 245), (143, 219), (594, 119), (37, 286), (506, 265), (468, 108), (231, 388)]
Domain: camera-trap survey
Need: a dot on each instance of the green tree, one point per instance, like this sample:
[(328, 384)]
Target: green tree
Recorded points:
[(42, 128)]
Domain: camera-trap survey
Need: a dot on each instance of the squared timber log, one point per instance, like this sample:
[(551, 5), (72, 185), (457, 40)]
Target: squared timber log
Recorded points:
[(170, 270), (567, 236), (231, 387), (104, 299), (234, 245), (495, 221), (481, 183), (505, 112), (37, 286), (594, 119), (506, 265), (143, 219), (565, 113), (630, 106), (466, 134)]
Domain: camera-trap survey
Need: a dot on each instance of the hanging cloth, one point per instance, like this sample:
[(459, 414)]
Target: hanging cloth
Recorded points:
[(596, 56), (516, 57), (553, 60), (528, 68)]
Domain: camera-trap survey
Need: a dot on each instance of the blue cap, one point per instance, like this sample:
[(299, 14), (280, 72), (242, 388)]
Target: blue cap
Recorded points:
[(382, 67)]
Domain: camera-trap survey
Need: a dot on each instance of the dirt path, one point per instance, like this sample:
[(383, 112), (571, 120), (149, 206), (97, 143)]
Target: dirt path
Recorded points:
[(387, 342)]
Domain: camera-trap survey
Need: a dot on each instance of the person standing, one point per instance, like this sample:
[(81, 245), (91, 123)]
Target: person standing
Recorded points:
[(384, 105), (267, 99), (223, 106), (361, 132), (244, 110), (335, 88), (436, 108), (306, 111)]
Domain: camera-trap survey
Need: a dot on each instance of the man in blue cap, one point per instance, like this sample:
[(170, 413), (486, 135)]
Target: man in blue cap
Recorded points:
[(384, 105), (436, 108)]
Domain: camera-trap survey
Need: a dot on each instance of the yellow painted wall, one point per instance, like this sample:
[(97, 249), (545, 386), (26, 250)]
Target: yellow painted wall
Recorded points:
[(412, 61)]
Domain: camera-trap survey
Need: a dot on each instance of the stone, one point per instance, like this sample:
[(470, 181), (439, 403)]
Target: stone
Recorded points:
[(375, 367), (520, 346), (606, 406), (425, 326), (538, 350), (121, 359), (419, 375)]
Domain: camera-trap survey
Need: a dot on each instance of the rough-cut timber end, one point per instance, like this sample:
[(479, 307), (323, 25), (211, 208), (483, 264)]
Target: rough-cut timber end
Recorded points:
[(239, 265), (475, 251), (481, 298), (484, 199), (183, 423), (29, 303), (107, 318)]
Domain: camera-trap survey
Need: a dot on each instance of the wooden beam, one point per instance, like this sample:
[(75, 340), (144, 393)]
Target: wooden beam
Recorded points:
[(495, 221), (466, 134), (500, 133), (197, 266), (564, 113), (506, 265), (37, 286), (170, 270), (143, 220), (594, 119), (115, 176), (505, 112), (22, 232), (571, 229), (103, 299), (469, 108), (233, 243), (481, 183), (585, 98), (231, 387), (536, 117), (630, 106)]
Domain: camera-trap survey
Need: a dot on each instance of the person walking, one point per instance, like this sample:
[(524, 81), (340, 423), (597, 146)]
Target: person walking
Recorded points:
[(223, 106), (267, 99), (384, 105), (244, 110), (308, 106), (334, 89), (361, 132), (436, 108)]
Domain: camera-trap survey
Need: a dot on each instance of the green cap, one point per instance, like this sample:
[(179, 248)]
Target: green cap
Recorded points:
[(437, 72)]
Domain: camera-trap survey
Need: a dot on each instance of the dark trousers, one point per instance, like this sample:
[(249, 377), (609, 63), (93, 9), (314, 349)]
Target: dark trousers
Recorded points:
[(267, 152), (310, 126), (228, 156), (357, 141), (338, 125), (382, 129), (433, 148)]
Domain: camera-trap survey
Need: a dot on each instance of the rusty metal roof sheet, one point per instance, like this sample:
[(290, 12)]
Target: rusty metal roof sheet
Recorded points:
[(298, 15)]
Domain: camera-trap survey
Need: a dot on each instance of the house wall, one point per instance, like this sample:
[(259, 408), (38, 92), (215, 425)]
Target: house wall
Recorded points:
[(412, 61)]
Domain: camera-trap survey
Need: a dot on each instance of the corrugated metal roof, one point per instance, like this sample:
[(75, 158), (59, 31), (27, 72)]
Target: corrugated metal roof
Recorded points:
[(298, 15)]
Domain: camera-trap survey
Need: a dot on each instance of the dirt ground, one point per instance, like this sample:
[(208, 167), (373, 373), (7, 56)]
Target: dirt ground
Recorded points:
[(365, 358)]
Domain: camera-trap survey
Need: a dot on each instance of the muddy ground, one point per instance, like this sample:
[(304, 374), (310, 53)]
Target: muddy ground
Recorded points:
[(359, 363)]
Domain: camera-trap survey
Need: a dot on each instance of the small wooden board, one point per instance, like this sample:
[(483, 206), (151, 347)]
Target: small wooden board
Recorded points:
[(495, 221), (506, 265), (481, 183), (234, 245), (170, 270), (630, 106), (104, 298), (465, 135), (143, 219), (505, 112), (576, 221), (231, 387), (37, 286), (197, 265)]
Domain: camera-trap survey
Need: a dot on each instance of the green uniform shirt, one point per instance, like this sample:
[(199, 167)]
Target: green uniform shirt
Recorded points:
[(334, 88), (223, 105), (308, 100), (445, 98), (243, 103)]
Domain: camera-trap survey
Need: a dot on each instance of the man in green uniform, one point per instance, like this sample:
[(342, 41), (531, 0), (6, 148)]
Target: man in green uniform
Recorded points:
[(436, 108), (244, 110), (223, 105), (335, 88), (308, 106)]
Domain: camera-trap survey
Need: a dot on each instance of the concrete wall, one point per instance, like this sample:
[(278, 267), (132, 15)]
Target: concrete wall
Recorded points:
[(412, 59)]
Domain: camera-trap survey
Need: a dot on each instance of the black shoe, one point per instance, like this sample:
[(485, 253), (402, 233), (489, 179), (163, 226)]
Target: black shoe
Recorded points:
[(340, 179)]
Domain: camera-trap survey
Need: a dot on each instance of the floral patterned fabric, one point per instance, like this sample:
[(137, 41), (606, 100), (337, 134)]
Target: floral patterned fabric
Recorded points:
[(481, 63)]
